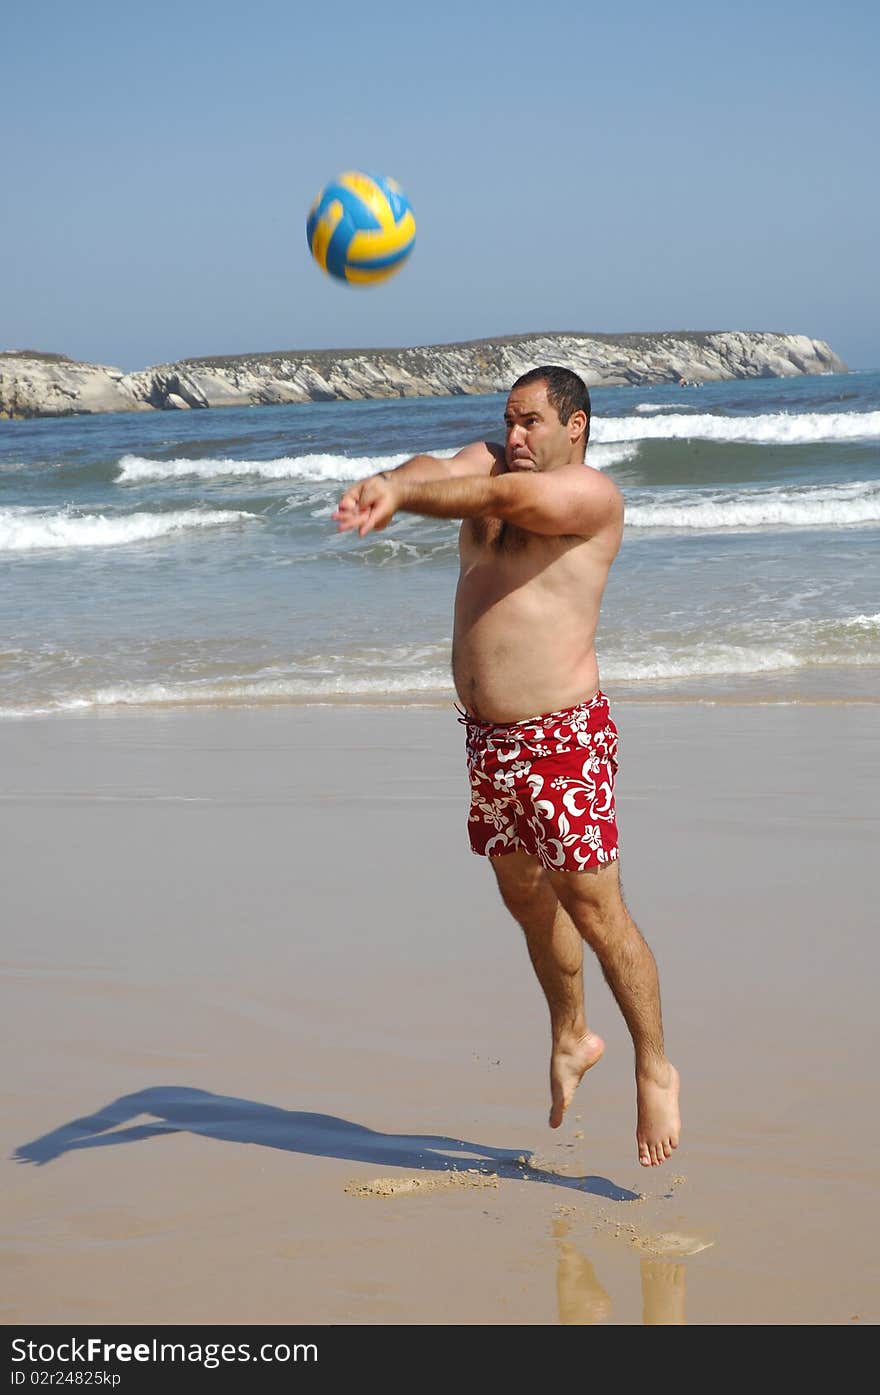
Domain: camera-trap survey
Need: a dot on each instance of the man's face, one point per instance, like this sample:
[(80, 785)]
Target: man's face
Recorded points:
[(536, 438)]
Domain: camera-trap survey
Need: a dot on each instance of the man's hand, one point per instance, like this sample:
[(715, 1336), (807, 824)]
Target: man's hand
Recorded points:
[(372, 503), (367, 506)]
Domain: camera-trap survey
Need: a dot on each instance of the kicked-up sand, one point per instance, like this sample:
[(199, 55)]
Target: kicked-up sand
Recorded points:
[(275, 1053)]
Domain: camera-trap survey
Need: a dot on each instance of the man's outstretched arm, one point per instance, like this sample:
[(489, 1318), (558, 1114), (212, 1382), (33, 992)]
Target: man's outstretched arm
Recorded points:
[(574, 499), (356, 505)]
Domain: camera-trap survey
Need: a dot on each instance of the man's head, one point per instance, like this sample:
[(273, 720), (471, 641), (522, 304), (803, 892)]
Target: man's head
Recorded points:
[(547, 419)]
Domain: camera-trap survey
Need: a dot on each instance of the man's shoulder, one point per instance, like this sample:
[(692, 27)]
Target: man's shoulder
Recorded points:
[(589, 480), (478, 457), (595, 497), (499, 459)]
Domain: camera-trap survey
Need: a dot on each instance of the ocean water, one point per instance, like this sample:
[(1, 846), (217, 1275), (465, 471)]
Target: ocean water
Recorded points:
[(190, 558)]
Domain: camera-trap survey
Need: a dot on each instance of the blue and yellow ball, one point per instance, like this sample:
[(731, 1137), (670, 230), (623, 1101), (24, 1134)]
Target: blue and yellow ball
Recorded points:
[(361, 228)]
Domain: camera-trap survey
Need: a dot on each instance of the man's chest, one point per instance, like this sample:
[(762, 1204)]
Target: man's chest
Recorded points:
[(495, 541), (494, 538)]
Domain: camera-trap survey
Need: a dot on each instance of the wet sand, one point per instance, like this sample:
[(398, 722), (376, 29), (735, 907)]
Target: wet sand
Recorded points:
[(276, 1055)]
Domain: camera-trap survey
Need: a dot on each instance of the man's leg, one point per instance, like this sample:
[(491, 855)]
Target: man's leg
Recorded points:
[(594, 902), (557, 952)]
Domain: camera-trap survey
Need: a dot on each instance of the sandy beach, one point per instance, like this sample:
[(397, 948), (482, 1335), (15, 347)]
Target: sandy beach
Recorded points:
[(275, 1052)]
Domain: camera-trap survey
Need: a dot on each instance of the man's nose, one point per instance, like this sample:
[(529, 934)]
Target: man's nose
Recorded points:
[(516, 435)]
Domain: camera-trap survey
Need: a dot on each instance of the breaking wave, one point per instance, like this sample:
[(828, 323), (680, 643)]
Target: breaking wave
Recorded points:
[(773, 429), (137, 469), (23, 531), (824, 506)]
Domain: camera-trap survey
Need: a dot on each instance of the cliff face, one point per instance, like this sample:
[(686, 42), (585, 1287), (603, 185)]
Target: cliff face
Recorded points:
[(34, 384), (49, 385)]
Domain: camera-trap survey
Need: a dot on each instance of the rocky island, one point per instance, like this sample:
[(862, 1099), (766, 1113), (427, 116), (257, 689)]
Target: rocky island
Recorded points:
[(37, 384)]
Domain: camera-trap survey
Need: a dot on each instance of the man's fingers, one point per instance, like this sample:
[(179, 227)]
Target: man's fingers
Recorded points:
[(368, 523), (376, 519), (349, 518), (347, 502), (350, 501), (366, 506)]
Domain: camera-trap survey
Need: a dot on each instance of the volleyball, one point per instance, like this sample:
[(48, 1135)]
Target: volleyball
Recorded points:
[(361, 228)]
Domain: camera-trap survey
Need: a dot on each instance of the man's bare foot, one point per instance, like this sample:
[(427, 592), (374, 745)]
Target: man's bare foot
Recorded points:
[(567, 1069), (659, 1122)]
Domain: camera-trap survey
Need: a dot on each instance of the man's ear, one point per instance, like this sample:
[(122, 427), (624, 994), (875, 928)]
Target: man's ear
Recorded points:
[(577, 425)]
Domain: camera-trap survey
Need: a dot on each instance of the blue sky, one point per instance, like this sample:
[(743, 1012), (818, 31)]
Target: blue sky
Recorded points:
[(570, 165)]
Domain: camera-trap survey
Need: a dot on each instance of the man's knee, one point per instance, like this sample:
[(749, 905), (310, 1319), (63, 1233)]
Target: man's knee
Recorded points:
[(593, 898), (522, 883)]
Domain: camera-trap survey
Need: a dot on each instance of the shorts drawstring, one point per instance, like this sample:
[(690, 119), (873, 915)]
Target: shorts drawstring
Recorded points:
[(544, 719), (467, 720)]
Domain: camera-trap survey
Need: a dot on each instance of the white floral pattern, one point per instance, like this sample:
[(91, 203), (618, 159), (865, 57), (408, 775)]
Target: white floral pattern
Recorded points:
[(545, 786)]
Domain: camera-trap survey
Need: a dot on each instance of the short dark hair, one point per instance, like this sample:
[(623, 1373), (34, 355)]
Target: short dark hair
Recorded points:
[(566, 392)]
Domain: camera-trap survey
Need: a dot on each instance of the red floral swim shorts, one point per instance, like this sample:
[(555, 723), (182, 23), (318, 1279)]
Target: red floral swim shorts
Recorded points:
[(545, 786)]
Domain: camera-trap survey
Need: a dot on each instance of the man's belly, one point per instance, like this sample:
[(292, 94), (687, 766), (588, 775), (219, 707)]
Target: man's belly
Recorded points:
[(512, 661)]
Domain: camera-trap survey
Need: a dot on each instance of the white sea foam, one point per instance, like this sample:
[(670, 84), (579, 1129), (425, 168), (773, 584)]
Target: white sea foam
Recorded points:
[(720, 661), (774, 646), (23, 530), (868, 623), (419, 673), (137, 469), (823, 506), (602, 456), (664, 407), (430, 685), (391, 688), (724, 661), (774, 428)]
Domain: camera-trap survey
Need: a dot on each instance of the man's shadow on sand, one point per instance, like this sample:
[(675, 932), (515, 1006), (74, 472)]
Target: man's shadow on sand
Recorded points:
[(178, 1109)]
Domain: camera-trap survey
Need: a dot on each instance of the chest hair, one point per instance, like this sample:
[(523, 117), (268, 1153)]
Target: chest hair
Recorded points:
[(498, 535)]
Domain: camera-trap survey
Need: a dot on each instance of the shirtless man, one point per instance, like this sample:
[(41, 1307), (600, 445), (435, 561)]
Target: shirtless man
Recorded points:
[(540, 531)]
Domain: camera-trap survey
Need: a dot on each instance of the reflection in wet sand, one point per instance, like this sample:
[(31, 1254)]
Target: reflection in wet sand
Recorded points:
[(582, 1299), (584, 1302), (662, 1293)]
